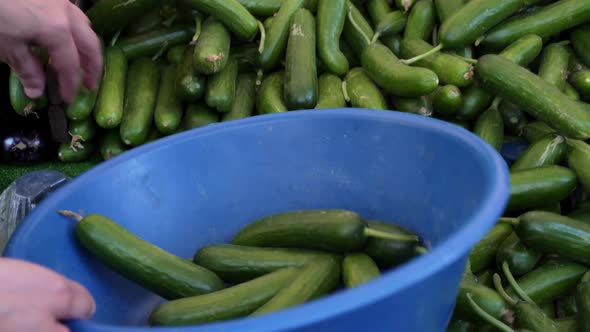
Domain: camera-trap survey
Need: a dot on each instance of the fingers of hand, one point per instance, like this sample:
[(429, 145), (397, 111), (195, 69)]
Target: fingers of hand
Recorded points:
[(88, 46), (29, 70), (29, 321)]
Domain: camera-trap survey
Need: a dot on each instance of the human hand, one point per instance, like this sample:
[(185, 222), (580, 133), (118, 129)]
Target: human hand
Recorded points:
[(60, 28), (35, 299)]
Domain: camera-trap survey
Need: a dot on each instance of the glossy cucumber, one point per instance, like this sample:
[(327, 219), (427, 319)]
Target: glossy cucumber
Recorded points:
[(388, 253), (108, 111), (277, 36), (486, 298), (475, 100), (550, 150), (421, 20), (301, 78), (580, 39), (110, 16), (233, 302), (520, 258), (198, 115), (578, 160), (357, 30), (449, 68), (331, 17), (330, 92), (580, 81), (550, 281), (534, 95), (221, 87), (551, 20), (315, 280), (141, 94), (270, 96), (231, 13), (168, 110), (447, 99), (189, 85), (554, 64), (530, 317), (420, 106), (377, 10), (357, 269), (67, 154), (262, 8), (362, 92), (237, 264), (483, 254), (538, 187), (82, 130), (391, 24), (245, 98), (153, 42), (536, 130), (490, 127), (524, 50), (82, 106), (212, 50), (385, 69), (19, 101), (111, 145), (447, 8), (582, 298)]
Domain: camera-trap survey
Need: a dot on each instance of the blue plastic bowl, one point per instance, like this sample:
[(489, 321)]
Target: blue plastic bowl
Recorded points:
[(202, 186)]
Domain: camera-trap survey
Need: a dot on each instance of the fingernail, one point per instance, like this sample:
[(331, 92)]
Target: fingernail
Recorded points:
[(33, 93)]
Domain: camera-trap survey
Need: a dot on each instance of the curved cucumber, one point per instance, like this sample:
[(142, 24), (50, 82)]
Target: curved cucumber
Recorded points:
[(483, 253), (330, 92), (231, 13), (330, 24), (19, 101), (357, 269), (363, 93)]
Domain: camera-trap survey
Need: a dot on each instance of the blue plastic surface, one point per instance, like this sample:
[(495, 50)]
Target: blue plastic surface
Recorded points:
[(202, 186)]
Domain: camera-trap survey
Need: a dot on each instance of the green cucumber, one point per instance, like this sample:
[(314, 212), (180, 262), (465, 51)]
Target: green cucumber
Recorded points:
[(583, 303), (234, 263), (554, 64), (520, 258), (459, 325), (391, 24), (580, 81), (67, 154), (535, 131), (538, 187), (330, 92), (421, 20), (420, 106), (198, 115), (331, 17), (111, 145), (221, 87), (82, 106), (277, 36), (524, 50), (362, 92), (534, 95), (447, 99), (154, 42), (270, 96), (514, 119), (212, 50), (357, 30), (580, 39), (19, 101), (262, 8), (315, 280), (483, 254), (108, 111), (357, 269), (378, 10), (350, 55), (447, 8), (233, 302), (569, 324), (388, 253), (247, 57), (449, 68), (141, 94), (245, 98), (529, 316), (231, 13), (486, 298), (475, 100), (168, 110), (301, 78), (571, 92), (551, 20), (110, 16), (385, 69), (189, 86), (82, 130), (549, 150), (578, 160), (490, 127), (175, 53)]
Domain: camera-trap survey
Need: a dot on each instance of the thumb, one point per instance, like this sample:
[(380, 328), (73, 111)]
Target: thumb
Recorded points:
[(29, 70)]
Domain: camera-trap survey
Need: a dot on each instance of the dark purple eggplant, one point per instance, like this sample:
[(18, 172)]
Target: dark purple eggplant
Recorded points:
[(25, 146)]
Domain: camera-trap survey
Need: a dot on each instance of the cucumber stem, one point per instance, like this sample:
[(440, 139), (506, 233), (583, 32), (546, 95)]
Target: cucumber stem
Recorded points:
[(500, 289), (468, 60), (198, 28), (514, 284), (369, 232), (511, 221), (345, 92), (479, 40), (115, 38), (422, 56), (376, 36), (356, 26), (262, 37), (487, 317), (70, 214), (564, 43), (496, 103)]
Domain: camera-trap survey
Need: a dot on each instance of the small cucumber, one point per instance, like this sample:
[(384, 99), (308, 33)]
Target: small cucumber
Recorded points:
[(212, 50), (421, 20), (580, 81), (486, 298), (475, 100), (363, 93), (237, 264), (221, 87), (330, 92), (244, 100), (111, 145), (524, 50), (168, 110), (82, 130), (483, 254), (459, 325), (580, 39), (535, 131), (67, 154), (554, 64), (19, 101), (198, 115), (331, 17), (583, 303), (301, 78), (315, 280), (262, 8), (388, 253), (446, 8), (82, 106), (549, 150), (357, 269), (447, 100), (420, 106), (142, 90), (490, 127), (538, 187), (520, 258), (270, 96), (111, 96), (233, 302), (110, 16), (530, 317), (578, 160), (189, 86), (391, 24), (151, 43), (231, 13)]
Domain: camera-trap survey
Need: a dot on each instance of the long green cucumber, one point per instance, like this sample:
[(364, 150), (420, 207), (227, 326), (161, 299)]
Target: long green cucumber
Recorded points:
[(362, 92), (554, 64), (550, 150), (270, 96), (490, 127), (245, 98), (108, 111), (221, 87), (483, 254), (331, 17), (231, 13), (168, 110), (189, 85), (538, 187), (151, 43), (110, 16), (421, 20)]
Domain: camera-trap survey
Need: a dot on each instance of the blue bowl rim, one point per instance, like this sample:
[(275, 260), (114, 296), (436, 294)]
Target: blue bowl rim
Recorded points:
[(451, 250)]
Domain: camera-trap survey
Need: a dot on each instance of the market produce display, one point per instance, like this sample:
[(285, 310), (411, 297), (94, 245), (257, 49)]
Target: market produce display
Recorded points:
[(508, 70)]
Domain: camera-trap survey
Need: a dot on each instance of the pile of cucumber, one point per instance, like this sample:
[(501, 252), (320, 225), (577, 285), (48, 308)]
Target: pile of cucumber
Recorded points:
[(274, 263)]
